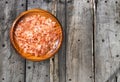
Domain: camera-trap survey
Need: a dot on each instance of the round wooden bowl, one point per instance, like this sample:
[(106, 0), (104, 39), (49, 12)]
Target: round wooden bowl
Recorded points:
[(14, 42)]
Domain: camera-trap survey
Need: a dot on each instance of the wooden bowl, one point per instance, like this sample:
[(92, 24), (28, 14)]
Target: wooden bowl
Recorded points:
[(15, 44)]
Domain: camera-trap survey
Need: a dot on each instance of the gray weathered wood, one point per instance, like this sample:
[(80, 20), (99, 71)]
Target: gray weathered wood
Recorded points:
[(107, 41), (50, 71), (38, 71), (54, 61), (61, 15), (57, 63), (79, 54), (11, 64), (74, 62)]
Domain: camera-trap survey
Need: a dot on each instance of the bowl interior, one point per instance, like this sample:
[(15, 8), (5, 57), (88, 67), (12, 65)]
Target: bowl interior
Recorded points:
[(15, 44)]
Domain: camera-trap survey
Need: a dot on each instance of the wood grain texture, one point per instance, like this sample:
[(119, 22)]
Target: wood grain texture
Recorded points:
[(38, 71), (54, 61), (74, 62), (79, 54), (61, 15), (57, 63), (11, 64), (50, 71), (107, 41)]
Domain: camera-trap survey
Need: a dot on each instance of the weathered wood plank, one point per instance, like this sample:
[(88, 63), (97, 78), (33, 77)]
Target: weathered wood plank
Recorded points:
[(61, 15), (54, 61), (57, 63), (48, 71), (11, 64), (79, 54), (38, 71), (107, 41)]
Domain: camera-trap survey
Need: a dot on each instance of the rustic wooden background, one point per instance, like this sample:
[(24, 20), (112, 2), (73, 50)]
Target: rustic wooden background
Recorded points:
[(90, 50)]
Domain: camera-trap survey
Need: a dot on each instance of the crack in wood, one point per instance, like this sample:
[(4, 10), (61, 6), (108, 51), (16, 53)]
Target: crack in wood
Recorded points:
[(116, 79), (96, 2)]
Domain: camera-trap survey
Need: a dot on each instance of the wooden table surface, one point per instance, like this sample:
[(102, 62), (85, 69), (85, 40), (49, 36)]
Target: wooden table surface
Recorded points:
[(90, 50)]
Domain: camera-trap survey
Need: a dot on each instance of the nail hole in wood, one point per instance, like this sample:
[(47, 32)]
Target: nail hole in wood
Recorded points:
[(110, 66), (21, 73), (48, 1), (70, 79), (116, 2), (37, 75), (3, 45), (46, 75), (117, 22), (88, 1), (3, 79), (61, 1), (13, 62), (2, 18), (115, 34), (105, 1), (117, 55), (22, 5), (20, 68), (78, 39), (29, 67), (90, 76), (105, 13), (69, 1), (6, 2), (53, 59), (103, 40)]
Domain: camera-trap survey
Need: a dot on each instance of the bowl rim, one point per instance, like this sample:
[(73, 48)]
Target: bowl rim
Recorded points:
[(19, 51)]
